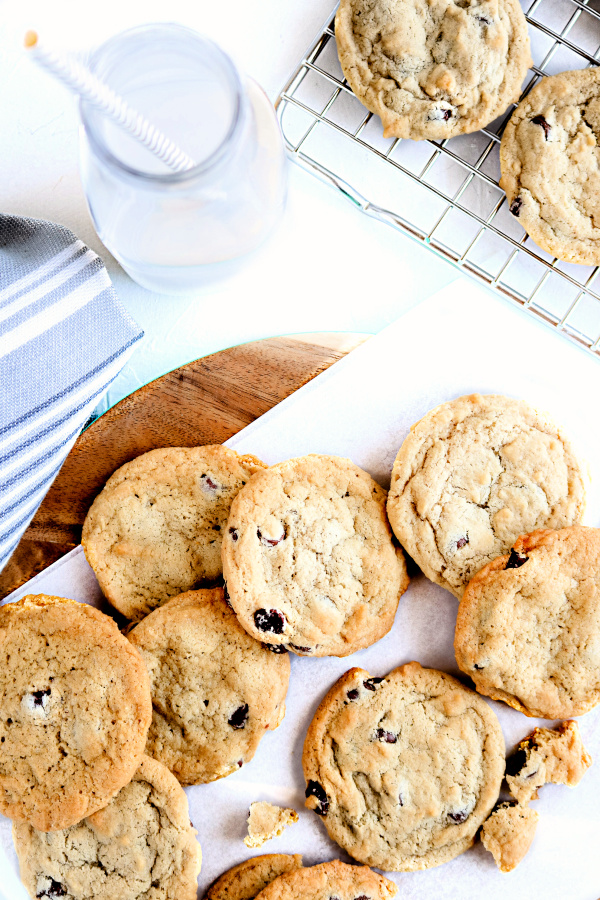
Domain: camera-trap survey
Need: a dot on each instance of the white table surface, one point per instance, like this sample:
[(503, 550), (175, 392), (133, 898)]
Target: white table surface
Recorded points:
[(311, 276)]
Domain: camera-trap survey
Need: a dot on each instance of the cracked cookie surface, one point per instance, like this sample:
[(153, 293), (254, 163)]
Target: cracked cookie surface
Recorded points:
[(215, 690), (74, 710), (142, 846), (508, 834), (473, 474), (156, 528), (432, 69), (550, 162), (309, 558), (530, 635), (330, 881), (404, 768), (249, 878), (547, 756)]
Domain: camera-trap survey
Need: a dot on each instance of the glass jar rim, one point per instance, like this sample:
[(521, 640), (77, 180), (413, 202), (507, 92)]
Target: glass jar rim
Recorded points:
[(212, 160)]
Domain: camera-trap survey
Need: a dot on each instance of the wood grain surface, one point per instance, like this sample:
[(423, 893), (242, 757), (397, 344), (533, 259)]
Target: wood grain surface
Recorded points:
[(204, 402)]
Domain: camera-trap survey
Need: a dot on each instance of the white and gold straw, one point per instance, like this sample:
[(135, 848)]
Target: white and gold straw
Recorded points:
[(84, 83)]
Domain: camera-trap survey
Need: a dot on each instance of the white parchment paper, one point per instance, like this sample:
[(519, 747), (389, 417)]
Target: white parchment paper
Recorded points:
[(459, 341)]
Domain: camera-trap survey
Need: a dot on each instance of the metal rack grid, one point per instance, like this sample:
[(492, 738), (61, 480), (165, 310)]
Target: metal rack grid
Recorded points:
[(445, 193)]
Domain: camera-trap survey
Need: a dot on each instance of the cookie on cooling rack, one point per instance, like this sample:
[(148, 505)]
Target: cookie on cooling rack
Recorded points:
[(74, 714), (403, 769), (528, 625), (215, 690), (549, 161), (474, 474), (432, 70), (141, 845), (333, 880), (246, 881), (156, 528), (309, 560)]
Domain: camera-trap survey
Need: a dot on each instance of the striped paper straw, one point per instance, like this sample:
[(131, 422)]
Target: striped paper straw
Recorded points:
[(84, 83)]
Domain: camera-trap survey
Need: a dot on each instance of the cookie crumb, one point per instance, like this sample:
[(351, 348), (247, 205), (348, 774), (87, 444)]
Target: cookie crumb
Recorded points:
[(547, 756), (267, 821), (508, 833)]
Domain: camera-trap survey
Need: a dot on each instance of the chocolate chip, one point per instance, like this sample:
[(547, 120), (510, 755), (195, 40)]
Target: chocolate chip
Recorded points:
[(239, 718), (234, 534), (515, 207), (362, 897), (55, 889), (462, 542), (314, 789), (353, 694), (301, 649), (38, 697), (400, 800), (540, 120), (387, 736), (515, 762), (439, 115), (504, 804), (206, 702), (459, 817), (276, 648), (484, 20), (269, 542), (269, 620), (475, 666), (240, 763), (208, 485), (371, 683), (516, 560)]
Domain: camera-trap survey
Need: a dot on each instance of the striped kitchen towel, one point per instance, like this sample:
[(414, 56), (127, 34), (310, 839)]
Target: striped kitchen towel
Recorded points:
[(64, 337)]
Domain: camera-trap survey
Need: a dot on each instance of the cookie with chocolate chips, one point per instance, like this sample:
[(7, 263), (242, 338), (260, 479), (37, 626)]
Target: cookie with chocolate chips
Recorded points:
[(549, 159), (547, 756), (215, 690), (333, 880), (309, 557), (473, 474), (156, 528), (141, 846), (530, 635), (74, 714), (404, 769), (432, 69), (249, 878)]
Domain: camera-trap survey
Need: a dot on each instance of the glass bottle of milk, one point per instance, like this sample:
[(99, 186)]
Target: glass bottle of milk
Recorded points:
[(176, 232)]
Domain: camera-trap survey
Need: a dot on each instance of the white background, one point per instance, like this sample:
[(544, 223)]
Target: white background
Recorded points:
[(328, 267)]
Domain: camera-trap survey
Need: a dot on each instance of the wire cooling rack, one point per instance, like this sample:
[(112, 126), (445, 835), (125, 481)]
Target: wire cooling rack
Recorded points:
[(445, 193)]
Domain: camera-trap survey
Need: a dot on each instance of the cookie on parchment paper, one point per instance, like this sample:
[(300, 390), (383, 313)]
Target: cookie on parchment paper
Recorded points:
[(329, 880), (142, 846), (74, 714), (249, 878), (549, 162), (528, 626), (508, 833), (215, 690), (309, 558), (432, 69), (155, 530), (475, 473), (547, 756), (403, 769)]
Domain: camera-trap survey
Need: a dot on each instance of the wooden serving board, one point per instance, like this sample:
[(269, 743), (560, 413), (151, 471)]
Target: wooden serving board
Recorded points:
[(204, 402)]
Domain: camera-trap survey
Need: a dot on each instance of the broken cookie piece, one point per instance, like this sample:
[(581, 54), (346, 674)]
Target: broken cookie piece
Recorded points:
[(555, 756), (267, 821), (508, 833)]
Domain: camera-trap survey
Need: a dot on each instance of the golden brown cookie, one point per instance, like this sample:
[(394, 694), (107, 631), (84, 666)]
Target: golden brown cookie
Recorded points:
[(246, 881), (547, 756), (266, 821), (330, 880), (309, 558), (74, 712), (156, 528), (215, 690), (508, 834), (528, 626), (142, 846)]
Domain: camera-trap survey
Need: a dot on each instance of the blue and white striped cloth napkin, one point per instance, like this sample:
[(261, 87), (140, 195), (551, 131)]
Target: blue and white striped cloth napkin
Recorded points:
[(64, 337)]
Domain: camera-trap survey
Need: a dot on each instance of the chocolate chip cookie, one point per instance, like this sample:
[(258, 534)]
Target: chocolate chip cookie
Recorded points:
[(330, 881), (403, 769), (215, 690), (547, 756), (549, 159), (74, 713), (474, 474), (246, 881), (432, 69), (142, 846), (508, 834), (309, 559), (528, 626), (156, 528)]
